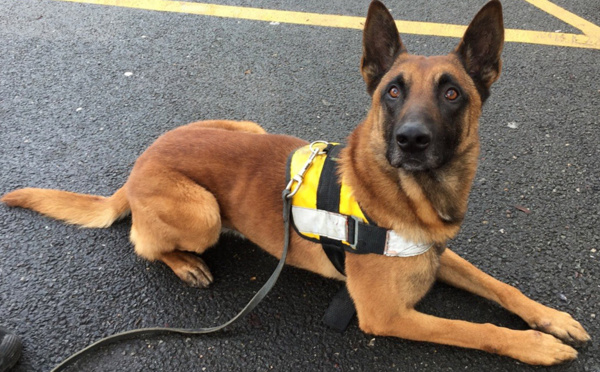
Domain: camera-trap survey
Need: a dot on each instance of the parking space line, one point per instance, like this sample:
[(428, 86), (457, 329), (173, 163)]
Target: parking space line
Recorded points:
[(588, 40), (564, 15)]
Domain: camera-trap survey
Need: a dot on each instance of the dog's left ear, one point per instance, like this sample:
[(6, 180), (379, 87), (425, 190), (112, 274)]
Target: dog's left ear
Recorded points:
[(481, 46), (381, 45)]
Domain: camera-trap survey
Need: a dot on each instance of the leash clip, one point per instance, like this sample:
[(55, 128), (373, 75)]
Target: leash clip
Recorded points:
[(291, 192), (292, 188)]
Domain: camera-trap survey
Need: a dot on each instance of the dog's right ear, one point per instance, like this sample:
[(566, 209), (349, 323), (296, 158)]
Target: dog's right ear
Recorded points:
[(381, 45)]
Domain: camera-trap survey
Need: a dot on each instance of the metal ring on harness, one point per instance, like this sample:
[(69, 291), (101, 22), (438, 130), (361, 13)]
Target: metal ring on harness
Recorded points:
[(321, 151)]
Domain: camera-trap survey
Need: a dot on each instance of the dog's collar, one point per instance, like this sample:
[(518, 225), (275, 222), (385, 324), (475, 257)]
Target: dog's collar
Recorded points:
[(324, 209)]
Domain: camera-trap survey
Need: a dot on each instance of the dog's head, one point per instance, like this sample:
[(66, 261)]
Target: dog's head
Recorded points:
[(426, 109)]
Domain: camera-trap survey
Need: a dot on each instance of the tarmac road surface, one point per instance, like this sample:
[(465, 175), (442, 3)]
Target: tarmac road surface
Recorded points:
[(85, 88)]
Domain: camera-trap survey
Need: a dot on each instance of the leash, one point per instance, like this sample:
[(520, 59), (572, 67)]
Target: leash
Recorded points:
[(258, 297)]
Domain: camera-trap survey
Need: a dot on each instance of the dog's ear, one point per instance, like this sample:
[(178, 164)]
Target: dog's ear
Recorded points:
[(481, 46), (381, 45)]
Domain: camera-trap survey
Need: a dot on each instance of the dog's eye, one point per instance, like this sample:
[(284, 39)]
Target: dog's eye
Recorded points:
[(451, 94), (394, 92)]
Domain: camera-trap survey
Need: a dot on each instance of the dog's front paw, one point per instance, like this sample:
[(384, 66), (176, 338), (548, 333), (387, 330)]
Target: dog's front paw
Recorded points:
[(541, 349), (561, 325)]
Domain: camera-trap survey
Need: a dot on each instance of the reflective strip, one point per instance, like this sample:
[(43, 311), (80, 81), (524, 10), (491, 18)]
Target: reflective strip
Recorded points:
[(397, 246), (320, 222), (335, 226)]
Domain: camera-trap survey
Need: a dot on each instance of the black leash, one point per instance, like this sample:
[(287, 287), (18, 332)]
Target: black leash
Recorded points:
[(258, 297)]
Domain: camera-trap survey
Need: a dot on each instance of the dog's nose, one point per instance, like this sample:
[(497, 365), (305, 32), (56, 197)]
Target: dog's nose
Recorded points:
[(413, 137)]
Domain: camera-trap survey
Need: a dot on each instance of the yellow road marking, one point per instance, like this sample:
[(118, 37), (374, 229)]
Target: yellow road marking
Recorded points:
[(564, 15), (590, 40)]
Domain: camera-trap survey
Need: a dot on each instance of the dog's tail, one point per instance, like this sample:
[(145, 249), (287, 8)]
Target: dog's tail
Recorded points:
[(78, 209)]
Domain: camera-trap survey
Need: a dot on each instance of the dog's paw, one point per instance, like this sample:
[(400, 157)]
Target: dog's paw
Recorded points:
[(189, 267), (561, 325), (543, 349), (195, 272)]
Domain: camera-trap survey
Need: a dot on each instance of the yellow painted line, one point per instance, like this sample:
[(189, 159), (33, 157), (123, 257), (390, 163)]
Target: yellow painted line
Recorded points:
[(552, 38), (339, 21), (564, 15)]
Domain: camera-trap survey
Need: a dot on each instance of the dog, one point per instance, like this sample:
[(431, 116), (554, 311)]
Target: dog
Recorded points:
[(409, 165)]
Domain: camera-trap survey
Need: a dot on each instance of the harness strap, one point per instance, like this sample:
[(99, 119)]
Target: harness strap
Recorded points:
[(341, 310), (328, 191), (328, 199), (361, 237)]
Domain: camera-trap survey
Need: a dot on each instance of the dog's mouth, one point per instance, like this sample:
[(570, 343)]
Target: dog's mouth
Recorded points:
[(414, 165), (413, 162)]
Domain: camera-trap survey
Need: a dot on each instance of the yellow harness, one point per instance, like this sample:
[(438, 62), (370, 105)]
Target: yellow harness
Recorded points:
[(306, 196), (325, 211)]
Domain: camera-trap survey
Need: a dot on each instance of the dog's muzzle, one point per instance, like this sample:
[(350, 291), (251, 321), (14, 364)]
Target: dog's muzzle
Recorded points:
[(413, 137), (412, 147)]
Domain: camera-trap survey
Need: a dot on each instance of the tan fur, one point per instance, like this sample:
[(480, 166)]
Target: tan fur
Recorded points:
[(77, 209), (238, 126), (205, 176)]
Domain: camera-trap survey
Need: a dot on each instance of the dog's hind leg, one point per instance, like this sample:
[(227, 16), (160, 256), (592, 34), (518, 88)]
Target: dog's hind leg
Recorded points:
[(174, 218), (458, 272)]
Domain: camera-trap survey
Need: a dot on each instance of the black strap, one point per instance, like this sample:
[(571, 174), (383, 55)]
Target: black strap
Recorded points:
[(340, 311), (328, 191), (371, 238), (335, 254), (328, 199), (258, 297)]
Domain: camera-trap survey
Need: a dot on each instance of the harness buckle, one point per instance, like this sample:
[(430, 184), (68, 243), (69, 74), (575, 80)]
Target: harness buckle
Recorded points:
[(353, 244)]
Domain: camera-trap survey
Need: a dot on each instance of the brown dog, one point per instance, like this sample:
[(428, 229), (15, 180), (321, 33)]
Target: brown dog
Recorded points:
[(409, 164)]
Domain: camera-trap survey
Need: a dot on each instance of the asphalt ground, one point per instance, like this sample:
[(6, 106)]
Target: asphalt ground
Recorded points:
[(84, 89)]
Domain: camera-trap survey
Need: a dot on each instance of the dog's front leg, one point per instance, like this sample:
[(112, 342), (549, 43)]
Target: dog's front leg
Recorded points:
[(386, 289), (530, 346), (458, 272)]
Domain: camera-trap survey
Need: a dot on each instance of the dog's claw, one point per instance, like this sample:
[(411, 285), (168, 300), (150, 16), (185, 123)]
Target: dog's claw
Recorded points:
[(562, 326), (189, 267), (198, 277)]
